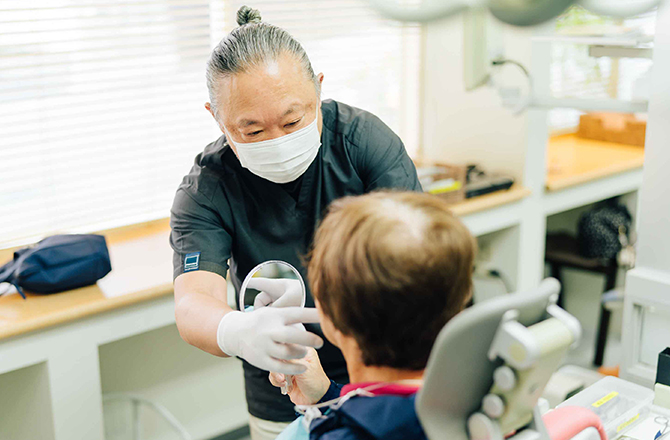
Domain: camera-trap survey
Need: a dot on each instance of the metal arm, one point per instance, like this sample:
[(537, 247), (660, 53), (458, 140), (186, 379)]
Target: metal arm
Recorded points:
[(620, 8), (517, 12)]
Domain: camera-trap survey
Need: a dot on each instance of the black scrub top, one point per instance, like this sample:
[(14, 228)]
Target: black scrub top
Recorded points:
[(224, 213)]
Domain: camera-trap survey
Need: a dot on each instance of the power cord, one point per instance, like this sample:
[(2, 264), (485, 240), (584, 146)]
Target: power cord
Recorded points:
[(502, 62), (503, 279)]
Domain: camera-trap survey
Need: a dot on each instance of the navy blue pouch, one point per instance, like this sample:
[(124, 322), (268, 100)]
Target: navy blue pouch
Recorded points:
[(58, 263)]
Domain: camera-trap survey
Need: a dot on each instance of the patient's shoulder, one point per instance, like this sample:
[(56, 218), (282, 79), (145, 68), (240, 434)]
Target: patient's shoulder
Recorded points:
[(341, 433), (335, 427)]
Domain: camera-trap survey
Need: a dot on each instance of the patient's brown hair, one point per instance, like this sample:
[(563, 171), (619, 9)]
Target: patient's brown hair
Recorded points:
[(390, 269)]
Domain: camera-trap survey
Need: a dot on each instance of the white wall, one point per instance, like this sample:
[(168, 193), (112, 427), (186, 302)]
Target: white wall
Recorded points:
[(204, 392), (647, 303), (654, 234), (463, 127), (24, 396)]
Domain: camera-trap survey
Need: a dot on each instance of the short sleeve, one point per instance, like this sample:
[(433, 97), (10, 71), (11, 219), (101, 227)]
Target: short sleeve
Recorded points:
[(199, 237), (384, 162)]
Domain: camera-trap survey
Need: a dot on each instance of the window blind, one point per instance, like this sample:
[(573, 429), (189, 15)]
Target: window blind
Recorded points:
[(101, 103), (574, 74)]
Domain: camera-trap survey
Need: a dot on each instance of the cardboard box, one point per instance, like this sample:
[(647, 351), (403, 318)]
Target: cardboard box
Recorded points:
[(613, 127)]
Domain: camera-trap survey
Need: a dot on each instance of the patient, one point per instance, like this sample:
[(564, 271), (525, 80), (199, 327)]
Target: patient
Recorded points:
[(387, 271)]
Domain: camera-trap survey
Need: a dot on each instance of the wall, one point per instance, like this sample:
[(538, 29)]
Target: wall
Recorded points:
[(24, 396), (463, 127), (647, 302), (204, 392)]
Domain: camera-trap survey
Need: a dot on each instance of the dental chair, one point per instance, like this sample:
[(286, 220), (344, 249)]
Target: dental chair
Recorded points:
[(490, 365)]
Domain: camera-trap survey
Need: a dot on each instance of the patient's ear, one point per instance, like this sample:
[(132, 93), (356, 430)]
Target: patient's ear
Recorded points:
[(329, 330), (338, 338)]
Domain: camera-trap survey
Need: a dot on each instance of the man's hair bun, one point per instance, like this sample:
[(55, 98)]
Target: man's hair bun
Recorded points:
[(246, 15)]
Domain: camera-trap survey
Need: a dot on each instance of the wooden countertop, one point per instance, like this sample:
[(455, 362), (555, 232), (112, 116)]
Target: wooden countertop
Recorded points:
[(490, 201), (573, 160), (141, 270)]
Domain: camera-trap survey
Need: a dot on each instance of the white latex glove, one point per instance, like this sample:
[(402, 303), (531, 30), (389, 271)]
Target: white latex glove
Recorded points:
[(281, 292), (267, 339)]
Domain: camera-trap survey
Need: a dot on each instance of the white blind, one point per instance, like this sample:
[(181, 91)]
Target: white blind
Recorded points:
[(101, 103), (574, 74), (101, 111)]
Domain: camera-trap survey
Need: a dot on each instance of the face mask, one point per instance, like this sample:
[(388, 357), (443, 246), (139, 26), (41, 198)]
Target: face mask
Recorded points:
[(283, 159)]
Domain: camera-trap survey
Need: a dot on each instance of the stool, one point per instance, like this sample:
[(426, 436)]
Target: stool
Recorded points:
[(562, 250)]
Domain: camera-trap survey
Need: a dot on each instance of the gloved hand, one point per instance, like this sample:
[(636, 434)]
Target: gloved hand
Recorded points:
[(307, 388), (267, 338), (282, 292)]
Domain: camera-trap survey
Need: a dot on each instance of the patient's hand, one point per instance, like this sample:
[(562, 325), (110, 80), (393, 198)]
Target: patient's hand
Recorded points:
[(308, 387)]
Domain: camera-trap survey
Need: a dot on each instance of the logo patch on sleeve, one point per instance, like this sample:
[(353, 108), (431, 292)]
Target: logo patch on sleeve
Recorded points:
[(192, 261)]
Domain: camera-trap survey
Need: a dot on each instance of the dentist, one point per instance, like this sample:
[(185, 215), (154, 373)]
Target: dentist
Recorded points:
[(257, 194)]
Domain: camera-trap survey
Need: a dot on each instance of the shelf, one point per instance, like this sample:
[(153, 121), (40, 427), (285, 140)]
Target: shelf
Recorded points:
[(136, 277), (618, 45), (490, 201), (142, 270), (573, 160), (492, 212), (622, 40), (621, 52), (591, 104), (582, 171)]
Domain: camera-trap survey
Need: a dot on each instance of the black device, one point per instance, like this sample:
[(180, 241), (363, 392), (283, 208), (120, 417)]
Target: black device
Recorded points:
[(663, 369), (479, 183)]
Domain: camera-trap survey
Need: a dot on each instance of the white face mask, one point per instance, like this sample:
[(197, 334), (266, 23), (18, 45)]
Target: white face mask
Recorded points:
[(283, 159)]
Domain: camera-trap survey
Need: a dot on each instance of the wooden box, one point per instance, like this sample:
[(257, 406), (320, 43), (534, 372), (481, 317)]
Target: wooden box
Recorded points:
[(613, 127)]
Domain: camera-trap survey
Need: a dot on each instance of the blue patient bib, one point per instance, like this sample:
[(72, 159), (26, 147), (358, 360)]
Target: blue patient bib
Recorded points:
[(295, 431)]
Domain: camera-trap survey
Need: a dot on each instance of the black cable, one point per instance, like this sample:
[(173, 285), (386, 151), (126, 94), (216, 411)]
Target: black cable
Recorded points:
[(503, 61), (522, 105), (497, 274)]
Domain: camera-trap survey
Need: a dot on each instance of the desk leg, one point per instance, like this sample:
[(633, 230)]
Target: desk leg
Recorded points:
[(531, 248), (76, 395), (533, 219)]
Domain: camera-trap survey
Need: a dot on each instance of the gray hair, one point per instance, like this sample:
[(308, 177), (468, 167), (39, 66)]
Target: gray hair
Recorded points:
[(251, 45)]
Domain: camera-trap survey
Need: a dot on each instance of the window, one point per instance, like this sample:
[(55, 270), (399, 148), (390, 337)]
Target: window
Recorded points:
[(574, 74), (101, 103)]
